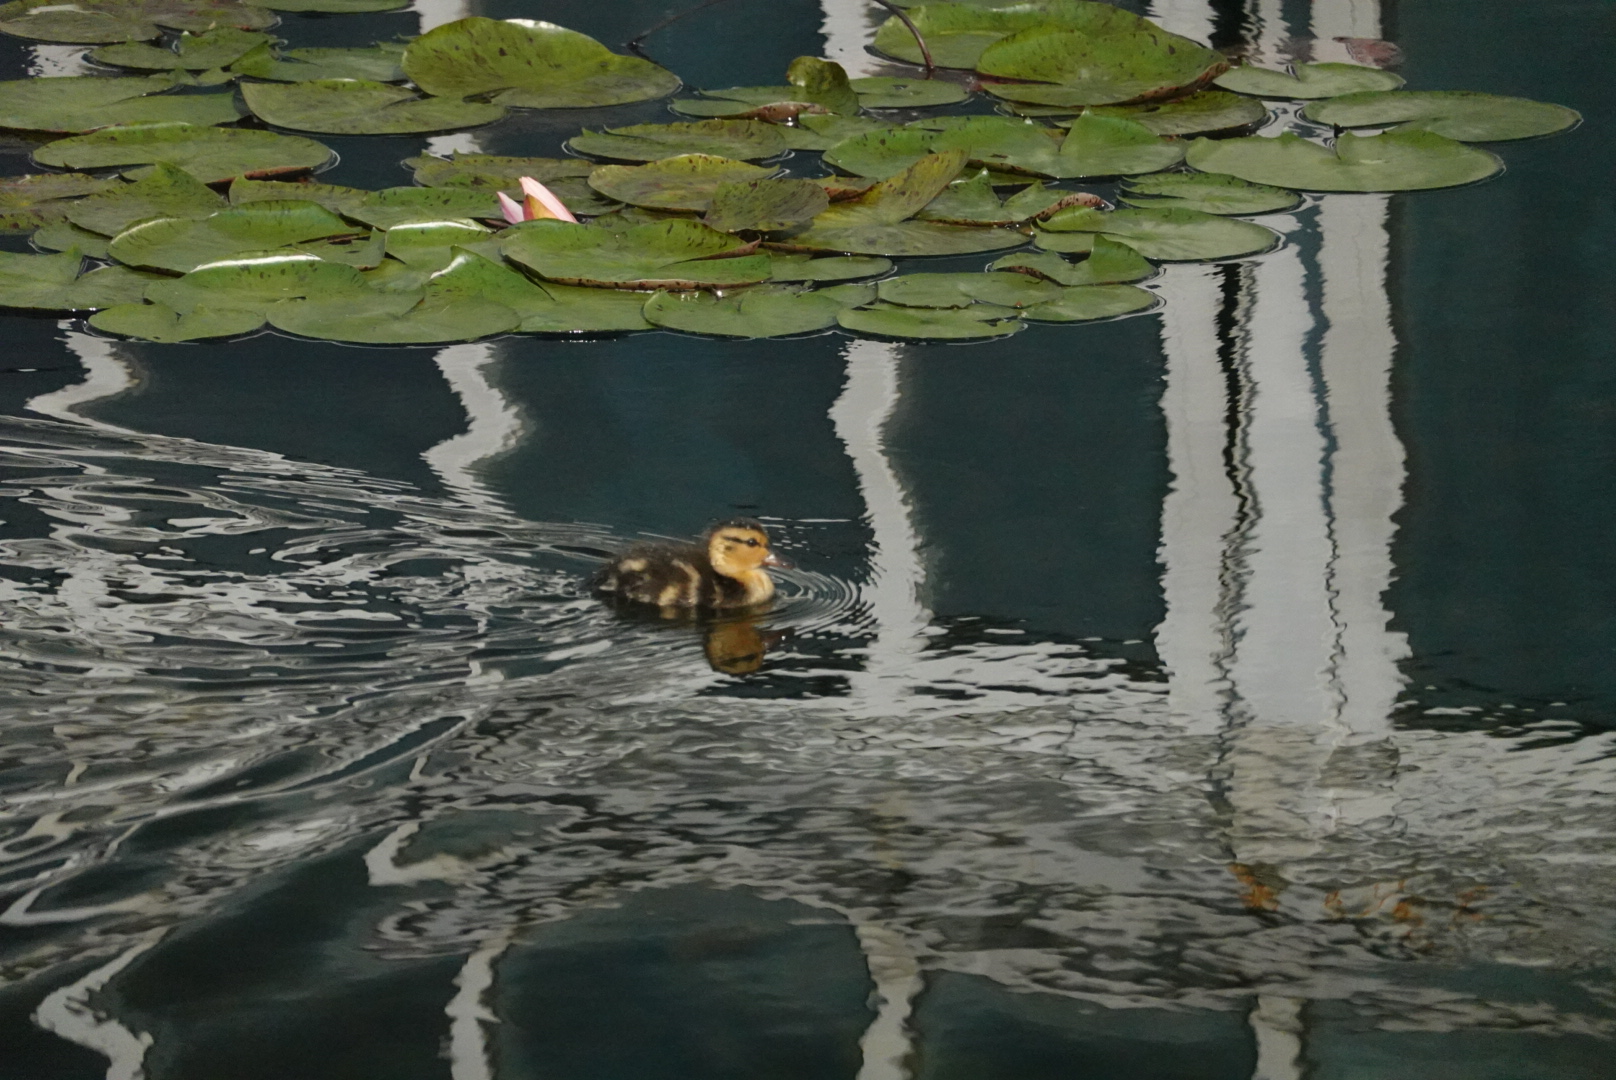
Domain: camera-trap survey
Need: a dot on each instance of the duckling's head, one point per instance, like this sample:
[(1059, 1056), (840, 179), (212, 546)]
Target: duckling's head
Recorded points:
[(739, 548)]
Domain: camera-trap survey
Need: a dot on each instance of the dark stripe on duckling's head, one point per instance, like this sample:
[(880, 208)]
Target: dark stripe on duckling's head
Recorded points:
[(740, 547)]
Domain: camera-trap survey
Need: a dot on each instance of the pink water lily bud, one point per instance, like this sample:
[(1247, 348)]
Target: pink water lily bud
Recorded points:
[(540, 202), (511, 209)]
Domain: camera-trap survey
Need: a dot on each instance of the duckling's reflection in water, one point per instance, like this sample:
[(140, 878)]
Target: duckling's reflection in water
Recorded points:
[(723, 572)]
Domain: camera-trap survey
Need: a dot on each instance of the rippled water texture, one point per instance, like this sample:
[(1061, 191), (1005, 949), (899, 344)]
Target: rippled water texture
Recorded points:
[(1223, 692)]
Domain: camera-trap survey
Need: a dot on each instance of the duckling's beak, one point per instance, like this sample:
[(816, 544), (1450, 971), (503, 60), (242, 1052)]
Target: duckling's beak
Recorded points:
[(771, 559)]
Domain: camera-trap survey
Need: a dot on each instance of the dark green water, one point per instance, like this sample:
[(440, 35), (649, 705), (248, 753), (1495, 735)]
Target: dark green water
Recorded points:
[(1222, 692)]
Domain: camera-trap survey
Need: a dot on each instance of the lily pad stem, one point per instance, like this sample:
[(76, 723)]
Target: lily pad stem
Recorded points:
[(903, 17), (634, 42)]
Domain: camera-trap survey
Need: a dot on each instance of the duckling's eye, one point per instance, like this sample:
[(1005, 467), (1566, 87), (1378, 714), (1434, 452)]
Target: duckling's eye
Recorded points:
[(750, 542)]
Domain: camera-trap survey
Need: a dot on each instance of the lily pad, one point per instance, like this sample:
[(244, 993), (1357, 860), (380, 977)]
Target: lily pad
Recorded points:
[(743, 140), (881, 153), (358, 107), (956, 34), (1310, 81), (492, 172), (210, 154), (759, 312), (88, 102), (972, 201), (66, 236), (159, 322), (765, 205), (961, 290), (1210, 192), (1464, 115), (664, 255), (27, 202), (1163, 235), (1109, 263), (378, 63), (824, 83), (335, 7), (685, 182), (429, 244), (826, 268), (192, 52), (363, 252), (1086, 302), (821, 132), (1098, 145), (1394, 161), (53, 283), (1119, 57), (254, 282), (883, 92), (587, 311), (395, 206), (334, 197), (166, 191), (182, 244), (530, 65), (100, 22), (455, 305), (1203, 112), (929, 324)]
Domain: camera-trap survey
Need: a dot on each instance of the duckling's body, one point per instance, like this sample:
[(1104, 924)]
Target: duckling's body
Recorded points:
[(725, 570)]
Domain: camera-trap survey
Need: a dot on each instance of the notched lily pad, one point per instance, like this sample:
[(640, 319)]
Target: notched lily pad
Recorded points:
[(956, 34), (210, 154), (493, 172), (1212, 193), (821, 132), (1109, 263), (961, 290), (334, 197), (429, 244), (972, 201), (765, 205), (1394, 161), (883, 92), (880, 153), (930, 324), (358, 107), (742, 140), (1117, 58), (1163, 235), (786, 267), (27, 202), (1201, 113), (530, 65), (684, 182), (182, 244), (254, 282), (664, 255), (1087, 302), (192, 52), (377, 63), (166, 191), (587, 311), (395, 206), (88, 102), (758, 312), (53, 283), (1309, 81), (1464, 115), (66, 236), (161, 323)]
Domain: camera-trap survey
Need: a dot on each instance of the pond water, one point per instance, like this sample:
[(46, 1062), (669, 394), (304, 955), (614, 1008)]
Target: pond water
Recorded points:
[(1227, 691)]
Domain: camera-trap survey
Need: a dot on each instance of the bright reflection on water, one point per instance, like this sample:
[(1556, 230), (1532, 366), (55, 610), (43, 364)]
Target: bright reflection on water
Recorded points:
[(287, 742)]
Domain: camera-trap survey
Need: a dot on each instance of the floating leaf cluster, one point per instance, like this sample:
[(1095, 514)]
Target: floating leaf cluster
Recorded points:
[(719, 222)]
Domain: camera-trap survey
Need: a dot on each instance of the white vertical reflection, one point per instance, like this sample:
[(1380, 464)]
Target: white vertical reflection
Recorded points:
[(860, 416), (468, 1011), (1343, 19), (106, 374), (848, 26), (55, 61), (69, 1013), (887, 1043), (1190, 18), (494, 426)]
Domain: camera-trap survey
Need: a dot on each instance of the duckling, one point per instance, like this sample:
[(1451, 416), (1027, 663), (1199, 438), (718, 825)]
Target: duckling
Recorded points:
[(725, 570)]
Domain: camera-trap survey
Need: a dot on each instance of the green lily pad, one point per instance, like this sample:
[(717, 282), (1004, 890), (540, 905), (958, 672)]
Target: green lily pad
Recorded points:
[(53, 283), (823, 83), (786, 267), (364, 252), (193, 52), (88, 102), (961, 290), (530, 65), (1098, 145), (900, 196), (825, 131), (357, 107), (428, 244), (1310, 81), (1203, 112), (972, 201), (1109, 263), (66, 236), (159, 322), (1212, 193), (743, 140), (880, 153), (587, 311), (27, 202), (455, 305), (1394, 161), (929, 324), (1118, 57), (772, 111), (1085, 302), (166, 191), (956, 34), (335, 7), (665, 255), (334, 197), (378, 63), (182, 244), (759, 312), (765, 205), (1464, 115), (685, 182), (395, 206), (210, 154), (255, 282), (883, 92), (1163, 235), (100, 22), (492, 172)]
